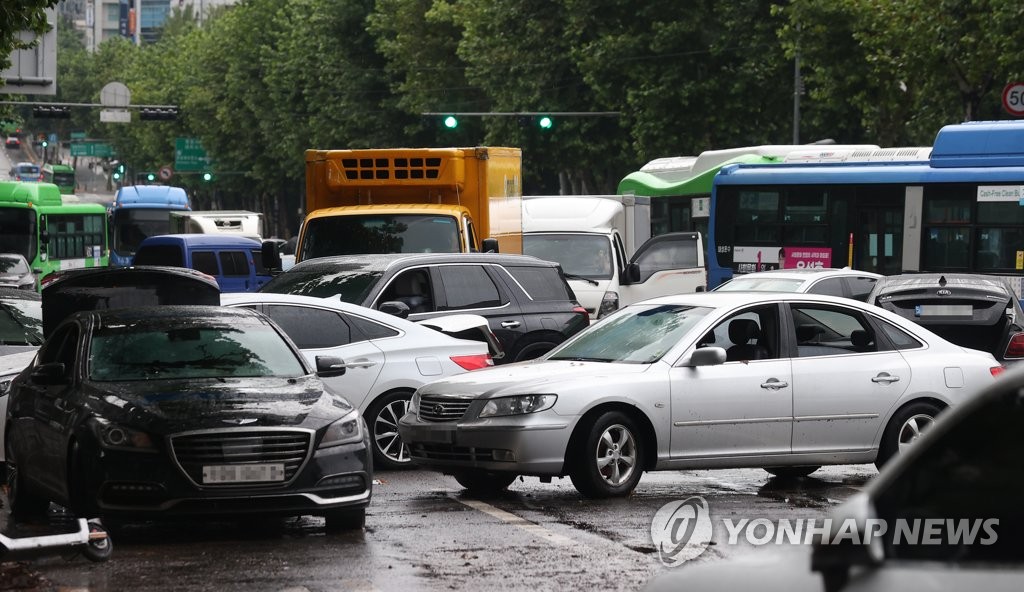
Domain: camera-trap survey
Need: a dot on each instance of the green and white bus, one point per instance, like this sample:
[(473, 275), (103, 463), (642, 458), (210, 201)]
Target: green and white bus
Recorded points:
[(51, 235), (60, 175)]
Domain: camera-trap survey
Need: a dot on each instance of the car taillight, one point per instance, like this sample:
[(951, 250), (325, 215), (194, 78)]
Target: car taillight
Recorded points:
[(473, 362), (997, 370), (1015, 349), (580, 310)]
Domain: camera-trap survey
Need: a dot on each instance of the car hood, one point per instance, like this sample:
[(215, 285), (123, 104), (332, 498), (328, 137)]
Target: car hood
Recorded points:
[(531, 377), (167, 406)]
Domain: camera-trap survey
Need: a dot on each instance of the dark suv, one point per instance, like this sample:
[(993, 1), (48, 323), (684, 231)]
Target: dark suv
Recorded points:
[(527, 301)]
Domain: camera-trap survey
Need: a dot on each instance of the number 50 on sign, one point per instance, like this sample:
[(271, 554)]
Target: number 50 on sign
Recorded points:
[(1013, 98)]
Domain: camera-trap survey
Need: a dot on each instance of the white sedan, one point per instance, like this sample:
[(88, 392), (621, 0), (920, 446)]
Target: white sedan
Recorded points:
[(787, 382), (386, 358)]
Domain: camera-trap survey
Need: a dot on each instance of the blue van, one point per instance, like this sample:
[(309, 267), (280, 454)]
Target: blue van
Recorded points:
[(235, 261)]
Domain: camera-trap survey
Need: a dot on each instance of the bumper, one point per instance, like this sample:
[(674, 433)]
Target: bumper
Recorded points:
[(152, 485), (527, 446)]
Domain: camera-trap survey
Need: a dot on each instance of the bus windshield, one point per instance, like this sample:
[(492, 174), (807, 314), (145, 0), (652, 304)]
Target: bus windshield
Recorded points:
[(586, 255), (132, 226), (377, 233), (18, 232)]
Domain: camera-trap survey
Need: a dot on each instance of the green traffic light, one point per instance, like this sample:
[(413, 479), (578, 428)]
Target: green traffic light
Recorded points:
[(545, 122), (207, 177), (45, 143), (450, 122), (150, 177), (117, 176)]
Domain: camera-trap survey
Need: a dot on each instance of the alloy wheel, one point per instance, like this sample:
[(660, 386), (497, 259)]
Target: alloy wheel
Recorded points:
[(912, 429), (385, 431), (616, 454)]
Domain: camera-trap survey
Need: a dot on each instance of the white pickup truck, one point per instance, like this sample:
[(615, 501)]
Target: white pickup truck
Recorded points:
[(604, 246)]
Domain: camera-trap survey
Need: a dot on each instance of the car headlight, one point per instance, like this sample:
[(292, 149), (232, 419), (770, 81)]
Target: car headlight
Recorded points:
[(112, 435), (346, 430), (517, 405)]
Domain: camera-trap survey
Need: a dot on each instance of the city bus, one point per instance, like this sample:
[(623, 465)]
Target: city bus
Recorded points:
[(955, 207), (51, 235), (680, 186), (138, 212), (60, 175)]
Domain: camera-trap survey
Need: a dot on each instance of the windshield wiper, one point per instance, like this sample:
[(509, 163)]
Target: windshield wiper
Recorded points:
[(584, 359), (573, 276)]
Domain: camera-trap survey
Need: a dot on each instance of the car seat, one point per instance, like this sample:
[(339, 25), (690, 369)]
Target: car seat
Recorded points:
[(413, 290), (741, 333)]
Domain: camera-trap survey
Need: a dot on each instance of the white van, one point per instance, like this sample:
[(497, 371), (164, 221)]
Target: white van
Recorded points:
[(604, 247)]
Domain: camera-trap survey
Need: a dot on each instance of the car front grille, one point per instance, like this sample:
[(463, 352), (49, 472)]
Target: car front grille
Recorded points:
[(443, 408), (240, 447)]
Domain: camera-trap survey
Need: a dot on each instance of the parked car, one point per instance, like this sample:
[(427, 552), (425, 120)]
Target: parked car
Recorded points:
[(787, 382), (527, 301), (12, 142), (387, 358), (975, 311), (21, 320), (11, 365), (845, 282), (26, 171), (15, 272), (967, 467), (190, 410)]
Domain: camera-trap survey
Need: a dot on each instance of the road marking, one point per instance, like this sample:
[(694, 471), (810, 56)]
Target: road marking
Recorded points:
[(531, 527)]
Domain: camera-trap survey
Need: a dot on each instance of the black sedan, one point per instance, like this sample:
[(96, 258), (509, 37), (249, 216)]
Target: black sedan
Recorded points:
[(971, 310), (192, 410)]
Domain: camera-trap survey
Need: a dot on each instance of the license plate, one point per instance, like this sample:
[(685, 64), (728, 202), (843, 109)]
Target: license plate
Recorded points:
[(945, 310), (243, 473), (436, 436)]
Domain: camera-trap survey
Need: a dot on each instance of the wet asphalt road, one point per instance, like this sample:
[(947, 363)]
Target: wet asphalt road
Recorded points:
[(423, 533)]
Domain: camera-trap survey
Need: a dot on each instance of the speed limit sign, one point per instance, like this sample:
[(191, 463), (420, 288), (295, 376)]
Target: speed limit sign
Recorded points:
[(1013, 98)]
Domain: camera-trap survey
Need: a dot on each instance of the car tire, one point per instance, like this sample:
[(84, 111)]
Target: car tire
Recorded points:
[(905, 426), (23, 501), (531, 348), (485, 482), (791, 472), (389, 452), (345, 520), (610, 461)]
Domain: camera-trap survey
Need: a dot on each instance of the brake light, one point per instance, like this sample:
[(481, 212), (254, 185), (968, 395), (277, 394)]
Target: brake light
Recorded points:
[(997, 370), (580, 310), (473, 362), (1015, 348)]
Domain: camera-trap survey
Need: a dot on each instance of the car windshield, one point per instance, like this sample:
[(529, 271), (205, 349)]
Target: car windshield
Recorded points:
[(352, 283), (640, 335), (13, 265), (162, 350), (972, 474), (21, 322), (760, 284), (587, 255), (132, 226), (367, 234)]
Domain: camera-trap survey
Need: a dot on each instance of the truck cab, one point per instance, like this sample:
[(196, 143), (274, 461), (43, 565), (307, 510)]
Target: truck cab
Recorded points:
[(604, 247)]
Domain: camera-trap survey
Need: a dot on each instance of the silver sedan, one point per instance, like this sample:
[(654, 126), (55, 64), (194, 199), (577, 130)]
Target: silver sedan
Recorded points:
[(787, 382)]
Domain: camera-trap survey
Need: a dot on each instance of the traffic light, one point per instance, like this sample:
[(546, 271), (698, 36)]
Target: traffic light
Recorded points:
[(150, 177), (207, 177), (545, 122), (158, 114), (451, 122), (45, 144), (51, 112)]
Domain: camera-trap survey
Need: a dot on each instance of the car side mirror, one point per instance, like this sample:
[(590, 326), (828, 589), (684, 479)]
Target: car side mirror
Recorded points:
[(834, 557), (631, 275), (51, 373), (271, 256), (329, 366), (489, 245), (395, 307), (705, 356)]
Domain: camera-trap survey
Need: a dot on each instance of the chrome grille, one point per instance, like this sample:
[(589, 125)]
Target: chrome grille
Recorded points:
[(239, 447), (443, 408)]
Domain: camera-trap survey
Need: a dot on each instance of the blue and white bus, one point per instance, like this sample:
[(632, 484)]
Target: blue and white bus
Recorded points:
[(138, 212), (955, 207)]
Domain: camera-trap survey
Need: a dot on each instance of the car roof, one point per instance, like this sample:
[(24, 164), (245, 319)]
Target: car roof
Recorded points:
[(972, 281), (204, 240), (740, 297), (387, 261), (177, 313), (808, 273), (239, 298)]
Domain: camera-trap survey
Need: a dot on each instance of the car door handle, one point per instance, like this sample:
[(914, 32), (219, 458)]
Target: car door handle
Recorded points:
[(774, 384), (886, 378), (510, 324), (361, 364)]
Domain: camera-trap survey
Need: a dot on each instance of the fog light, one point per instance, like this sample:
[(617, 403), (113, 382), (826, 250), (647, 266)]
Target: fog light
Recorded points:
[(504, 455)]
